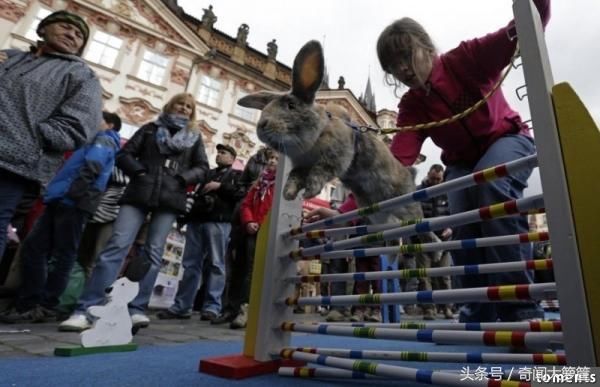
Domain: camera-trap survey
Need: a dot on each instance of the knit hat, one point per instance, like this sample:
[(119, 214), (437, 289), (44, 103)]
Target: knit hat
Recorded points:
[(67, 17)]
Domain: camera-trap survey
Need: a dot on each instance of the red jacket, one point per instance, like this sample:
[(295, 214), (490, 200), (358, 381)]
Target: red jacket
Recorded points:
[(252, 208), (459, 79)]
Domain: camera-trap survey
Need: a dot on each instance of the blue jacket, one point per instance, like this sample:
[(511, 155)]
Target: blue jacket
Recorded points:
[(83, 178)]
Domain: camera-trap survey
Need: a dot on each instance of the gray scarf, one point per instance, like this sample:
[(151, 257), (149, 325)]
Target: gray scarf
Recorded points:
[(182, 139)]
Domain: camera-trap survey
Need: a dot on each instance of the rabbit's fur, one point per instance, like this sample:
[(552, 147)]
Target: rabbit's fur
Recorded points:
[(322, 146)]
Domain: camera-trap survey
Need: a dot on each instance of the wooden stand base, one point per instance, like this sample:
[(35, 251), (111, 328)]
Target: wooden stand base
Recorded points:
[(79, 351), (240, 366)]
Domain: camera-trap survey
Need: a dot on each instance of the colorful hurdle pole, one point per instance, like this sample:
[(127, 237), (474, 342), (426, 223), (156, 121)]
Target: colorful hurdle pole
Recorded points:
[(488, 268), (450, 357), (525, 326), (500, 210), (489, 338), (427, 247), (400, 373), (483, 294), (365, 229), (480, 177)]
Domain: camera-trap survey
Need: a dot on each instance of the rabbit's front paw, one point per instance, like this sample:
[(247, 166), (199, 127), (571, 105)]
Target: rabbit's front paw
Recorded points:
[(312, 189), (290, 190)]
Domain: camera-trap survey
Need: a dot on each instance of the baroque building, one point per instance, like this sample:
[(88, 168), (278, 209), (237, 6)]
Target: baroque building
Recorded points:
[(146, 51)]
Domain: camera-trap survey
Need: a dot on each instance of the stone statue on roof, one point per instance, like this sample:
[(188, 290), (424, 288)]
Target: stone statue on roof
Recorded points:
[(272, 49), (242, 35), (209, 18)]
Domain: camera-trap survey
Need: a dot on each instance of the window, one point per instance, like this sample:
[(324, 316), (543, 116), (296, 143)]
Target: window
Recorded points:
[(153, 68), (209, 92), (242, 112), (41, 13), (127, 130), (104, 49)]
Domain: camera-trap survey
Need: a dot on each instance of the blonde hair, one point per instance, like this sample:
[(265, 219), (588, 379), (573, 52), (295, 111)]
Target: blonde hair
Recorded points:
[(183, 97), (404, 37)]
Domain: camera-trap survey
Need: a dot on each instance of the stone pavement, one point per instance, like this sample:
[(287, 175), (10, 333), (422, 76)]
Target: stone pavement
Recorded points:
[(29, 340)]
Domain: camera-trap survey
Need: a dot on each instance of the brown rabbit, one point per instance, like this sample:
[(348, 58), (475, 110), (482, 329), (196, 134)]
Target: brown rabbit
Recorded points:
[(322, 146)]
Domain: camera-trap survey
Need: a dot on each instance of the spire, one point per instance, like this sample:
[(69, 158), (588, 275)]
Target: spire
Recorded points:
[(325, 81), (369, 97)]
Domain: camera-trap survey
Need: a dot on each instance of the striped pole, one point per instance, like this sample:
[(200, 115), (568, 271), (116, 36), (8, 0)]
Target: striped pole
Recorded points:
[(372, 228), (500, 210), (488, 338), (431, 247), (476, 178), (482, 294), (538, 264), (521, 326), (322, 372), (450, 357), (397, 372)]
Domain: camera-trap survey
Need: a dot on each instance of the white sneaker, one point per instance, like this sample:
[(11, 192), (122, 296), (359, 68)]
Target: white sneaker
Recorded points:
[(140, 320), (241, 319), (75, 323)]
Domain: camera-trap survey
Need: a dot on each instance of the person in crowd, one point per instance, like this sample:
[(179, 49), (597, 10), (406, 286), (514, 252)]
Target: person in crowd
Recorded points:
[(97, 231), (72, 196), (50, 102), (236, 246), (161, 159), (434, 207), (440, 86), (207, 233), (253, 212)]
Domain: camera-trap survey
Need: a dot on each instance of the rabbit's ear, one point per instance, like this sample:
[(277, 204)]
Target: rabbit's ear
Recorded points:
[(307, 73), (257, 100)]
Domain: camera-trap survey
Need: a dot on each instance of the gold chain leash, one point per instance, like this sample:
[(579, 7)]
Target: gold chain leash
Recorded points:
[(456, 117)]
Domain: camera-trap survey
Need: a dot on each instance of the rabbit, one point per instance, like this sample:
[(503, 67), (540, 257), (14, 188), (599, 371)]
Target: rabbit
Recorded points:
[(321, 145)]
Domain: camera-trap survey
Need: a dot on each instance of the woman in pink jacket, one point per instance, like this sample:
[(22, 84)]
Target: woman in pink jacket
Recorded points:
[(440, 86)]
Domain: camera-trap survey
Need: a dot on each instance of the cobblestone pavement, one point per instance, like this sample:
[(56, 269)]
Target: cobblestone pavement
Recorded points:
[(27, 340)]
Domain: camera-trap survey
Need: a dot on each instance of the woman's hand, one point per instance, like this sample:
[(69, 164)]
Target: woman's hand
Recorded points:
[(319, 213)]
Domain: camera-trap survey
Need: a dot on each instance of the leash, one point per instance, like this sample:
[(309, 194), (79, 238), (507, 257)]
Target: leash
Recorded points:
[(448, 120)]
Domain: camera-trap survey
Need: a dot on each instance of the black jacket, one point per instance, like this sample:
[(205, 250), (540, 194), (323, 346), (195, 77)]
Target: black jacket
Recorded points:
[(218, 205), (163, 186)]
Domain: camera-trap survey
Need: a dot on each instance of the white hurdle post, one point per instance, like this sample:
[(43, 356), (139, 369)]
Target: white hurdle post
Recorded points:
[(284, 215), (577, 332)]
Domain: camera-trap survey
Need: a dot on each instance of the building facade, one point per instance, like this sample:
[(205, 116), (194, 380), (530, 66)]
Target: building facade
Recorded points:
[(146, 51)]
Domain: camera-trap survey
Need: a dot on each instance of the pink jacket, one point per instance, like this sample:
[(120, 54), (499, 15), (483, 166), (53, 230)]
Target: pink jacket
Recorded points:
[(459, 79)]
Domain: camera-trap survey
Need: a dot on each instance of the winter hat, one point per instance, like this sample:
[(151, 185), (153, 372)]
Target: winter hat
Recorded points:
[(67, 17)]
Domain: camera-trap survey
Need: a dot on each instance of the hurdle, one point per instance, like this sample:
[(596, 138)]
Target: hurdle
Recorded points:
[(566, 140)]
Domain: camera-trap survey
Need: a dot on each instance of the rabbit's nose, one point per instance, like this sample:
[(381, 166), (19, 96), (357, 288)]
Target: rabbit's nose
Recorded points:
[(108, 290)]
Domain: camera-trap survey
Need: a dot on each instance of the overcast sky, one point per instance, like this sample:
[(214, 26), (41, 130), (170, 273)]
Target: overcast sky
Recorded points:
[(349, 29)]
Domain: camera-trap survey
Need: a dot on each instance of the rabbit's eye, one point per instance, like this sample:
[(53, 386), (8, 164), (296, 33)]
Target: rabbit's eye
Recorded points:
[(291, 105)]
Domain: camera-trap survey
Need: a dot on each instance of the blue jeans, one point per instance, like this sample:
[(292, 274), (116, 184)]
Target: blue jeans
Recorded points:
[(505, 149), (110, 260), (53, 239), (12, 188), (202, 239)]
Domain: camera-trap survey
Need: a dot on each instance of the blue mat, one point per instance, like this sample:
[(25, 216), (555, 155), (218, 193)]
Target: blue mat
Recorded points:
[(177, 365)]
